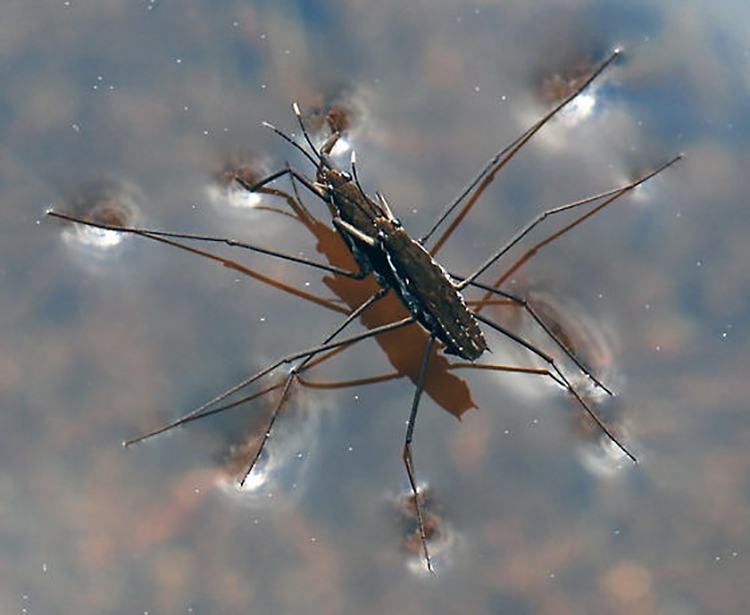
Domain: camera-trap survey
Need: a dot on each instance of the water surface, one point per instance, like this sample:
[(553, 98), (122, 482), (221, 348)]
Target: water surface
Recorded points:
[(147, 101)]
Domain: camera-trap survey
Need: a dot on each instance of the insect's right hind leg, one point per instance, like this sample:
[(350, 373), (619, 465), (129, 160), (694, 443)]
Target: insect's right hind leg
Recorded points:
[(560, 377), (524, 304)]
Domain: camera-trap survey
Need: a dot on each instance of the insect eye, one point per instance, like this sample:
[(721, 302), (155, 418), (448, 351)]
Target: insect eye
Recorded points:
[(396, 223), (347, 177)]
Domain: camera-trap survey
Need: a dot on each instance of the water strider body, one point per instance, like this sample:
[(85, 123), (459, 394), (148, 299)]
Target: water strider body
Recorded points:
[(402, 264)]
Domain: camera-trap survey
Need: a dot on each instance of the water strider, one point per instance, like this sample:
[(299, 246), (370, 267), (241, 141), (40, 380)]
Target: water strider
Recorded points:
[(403, 265)]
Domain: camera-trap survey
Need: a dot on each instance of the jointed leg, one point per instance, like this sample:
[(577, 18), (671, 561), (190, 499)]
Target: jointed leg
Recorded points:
[(209, 407), (165, 236), (566, 383), (407, 455), (294, 374), (500, 159), (610, 196), (526, 306)]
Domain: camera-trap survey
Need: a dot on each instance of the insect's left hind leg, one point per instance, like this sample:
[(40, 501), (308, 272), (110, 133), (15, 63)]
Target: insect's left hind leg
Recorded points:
[(299, 367), (407, 455)]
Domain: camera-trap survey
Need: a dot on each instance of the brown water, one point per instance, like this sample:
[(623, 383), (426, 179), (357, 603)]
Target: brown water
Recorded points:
[(147, 101)]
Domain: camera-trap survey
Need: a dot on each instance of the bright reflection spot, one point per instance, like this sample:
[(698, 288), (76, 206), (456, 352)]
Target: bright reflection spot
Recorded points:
[(283, 466), (441, 536), (580, 109), (277, 471), (234, 196), (102, 202), (641, 194), (97, 238), (603, 458), (343, 146)]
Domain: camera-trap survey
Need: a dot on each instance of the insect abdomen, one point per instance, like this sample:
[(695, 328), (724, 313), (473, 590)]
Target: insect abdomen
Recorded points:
[(427, 291)]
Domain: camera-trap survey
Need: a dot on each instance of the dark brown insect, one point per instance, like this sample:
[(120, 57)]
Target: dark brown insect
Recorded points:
[(401, 263)]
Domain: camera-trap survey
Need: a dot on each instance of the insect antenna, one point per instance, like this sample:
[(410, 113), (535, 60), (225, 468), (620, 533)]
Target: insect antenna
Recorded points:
[(298, 115), (289, 139)]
